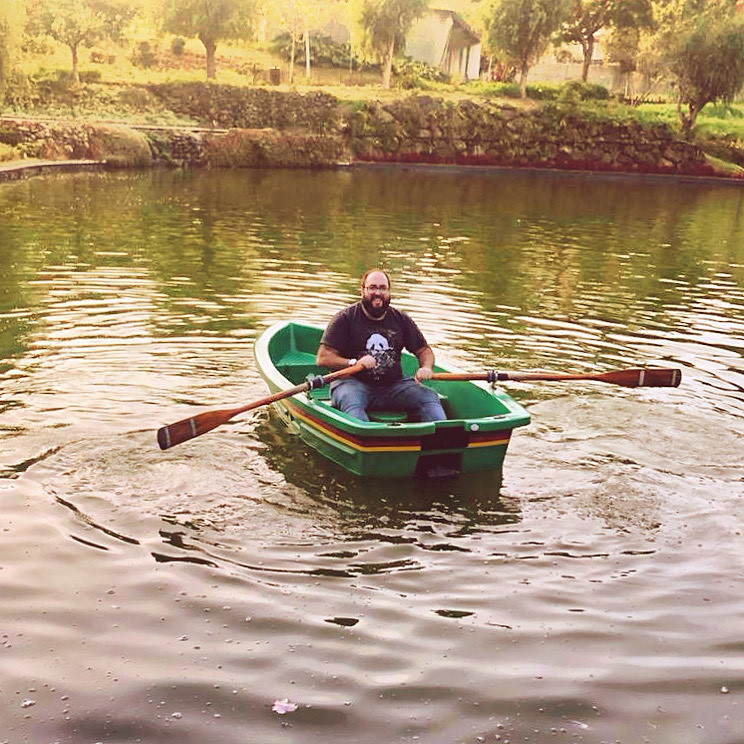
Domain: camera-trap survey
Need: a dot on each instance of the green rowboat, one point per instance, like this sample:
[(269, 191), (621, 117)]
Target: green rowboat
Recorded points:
[(480, 417)]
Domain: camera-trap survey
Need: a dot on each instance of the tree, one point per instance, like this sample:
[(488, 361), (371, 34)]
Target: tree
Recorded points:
[(521, 29), (80, 23), (701, 45), (622, 48), (12, 13), (300, 18), (386, 24), (587, 17), (211, 21)]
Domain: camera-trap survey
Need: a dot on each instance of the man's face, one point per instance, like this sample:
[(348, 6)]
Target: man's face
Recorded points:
[(376, 294)]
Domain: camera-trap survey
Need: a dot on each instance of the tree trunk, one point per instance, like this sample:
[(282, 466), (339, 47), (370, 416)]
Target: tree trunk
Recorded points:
[(210, 46), (387, 67), (523, 81), (587, 46), (292, 59), (75, 73), (307, 52), (688, 118)]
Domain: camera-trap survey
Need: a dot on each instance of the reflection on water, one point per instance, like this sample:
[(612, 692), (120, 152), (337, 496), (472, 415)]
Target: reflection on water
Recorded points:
[(148, 596)]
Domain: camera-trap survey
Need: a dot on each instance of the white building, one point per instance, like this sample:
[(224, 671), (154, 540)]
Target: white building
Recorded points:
[(442, 39)]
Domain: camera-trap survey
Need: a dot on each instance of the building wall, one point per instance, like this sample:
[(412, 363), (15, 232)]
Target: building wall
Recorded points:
[(428, 39)]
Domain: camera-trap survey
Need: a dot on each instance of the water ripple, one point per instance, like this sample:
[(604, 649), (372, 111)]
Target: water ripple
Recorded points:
[(592, 593)]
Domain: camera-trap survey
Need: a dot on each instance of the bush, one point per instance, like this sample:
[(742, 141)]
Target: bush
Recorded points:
[(542, 91), (120, 146), (89, 76), (494, 89), (411, 74), (536, 91), (102, 58), (579, 90), (323, 51), (18, 91), (7, 153), (144, 55), (177, 46)]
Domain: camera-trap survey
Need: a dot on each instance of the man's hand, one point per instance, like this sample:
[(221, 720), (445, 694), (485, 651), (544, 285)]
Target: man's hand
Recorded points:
[(367, 361), (423, 373)]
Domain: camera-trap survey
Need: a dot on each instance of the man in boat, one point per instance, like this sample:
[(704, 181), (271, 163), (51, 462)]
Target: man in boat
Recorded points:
[(375, 334)]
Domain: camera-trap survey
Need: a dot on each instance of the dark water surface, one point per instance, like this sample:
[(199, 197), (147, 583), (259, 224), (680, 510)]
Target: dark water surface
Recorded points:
[(596, 595)]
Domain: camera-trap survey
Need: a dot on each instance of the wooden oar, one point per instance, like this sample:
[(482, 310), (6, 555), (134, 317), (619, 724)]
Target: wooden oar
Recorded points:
[(636, 377), (182, 431)]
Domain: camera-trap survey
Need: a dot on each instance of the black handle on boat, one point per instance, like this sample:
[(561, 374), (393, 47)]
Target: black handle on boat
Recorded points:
[(194, 426), (635, 377)]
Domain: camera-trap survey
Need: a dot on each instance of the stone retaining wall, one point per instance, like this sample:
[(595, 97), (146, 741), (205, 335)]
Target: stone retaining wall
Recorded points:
[(272, 129), (428, 130)]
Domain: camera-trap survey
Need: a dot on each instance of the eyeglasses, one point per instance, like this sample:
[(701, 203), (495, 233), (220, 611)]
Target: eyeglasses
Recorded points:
[(376, 288)]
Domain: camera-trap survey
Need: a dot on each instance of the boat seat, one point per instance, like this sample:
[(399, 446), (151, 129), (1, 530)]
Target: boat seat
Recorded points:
[(400, 417), (323, 394), (381, 417), (292, 357), (387, 417)]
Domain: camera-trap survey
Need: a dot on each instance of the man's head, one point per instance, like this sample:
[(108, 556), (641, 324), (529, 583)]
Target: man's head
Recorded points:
[(375, 292)]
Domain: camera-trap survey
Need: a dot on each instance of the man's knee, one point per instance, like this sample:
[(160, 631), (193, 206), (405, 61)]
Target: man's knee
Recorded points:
[(350, 396)]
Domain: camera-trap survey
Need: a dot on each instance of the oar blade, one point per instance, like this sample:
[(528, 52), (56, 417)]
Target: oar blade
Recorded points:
[(661, 377), (643, 377), (188, 428)]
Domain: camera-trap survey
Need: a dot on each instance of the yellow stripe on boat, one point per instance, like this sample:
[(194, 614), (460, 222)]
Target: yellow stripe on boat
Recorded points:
[(491, 442), (315, 424), (498, 439)]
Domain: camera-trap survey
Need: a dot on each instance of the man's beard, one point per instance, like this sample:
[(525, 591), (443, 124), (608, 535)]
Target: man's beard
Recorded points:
[(376, 312)]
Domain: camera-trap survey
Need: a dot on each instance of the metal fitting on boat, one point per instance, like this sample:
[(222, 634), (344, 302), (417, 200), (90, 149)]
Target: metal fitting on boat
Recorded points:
[(314, 382)]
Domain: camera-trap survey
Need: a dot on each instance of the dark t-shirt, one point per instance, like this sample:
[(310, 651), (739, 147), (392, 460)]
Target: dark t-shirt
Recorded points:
[(352, 334)]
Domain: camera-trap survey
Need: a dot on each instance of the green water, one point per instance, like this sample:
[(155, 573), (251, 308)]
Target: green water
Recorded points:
[(592, 596)]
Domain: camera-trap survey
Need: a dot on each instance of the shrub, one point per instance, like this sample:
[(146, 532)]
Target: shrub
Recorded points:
[(177, 46), (495, 89), (323, 51), (536, 91), (7, 152), (120, 146), (411, 74), (143, 55), (102, 58), (579, 90), (18, 91), (542, 91), (90, 76)]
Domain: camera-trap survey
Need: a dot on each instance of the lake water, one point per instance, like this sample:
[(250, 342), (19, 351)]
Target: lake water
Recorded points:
[(595, 595)]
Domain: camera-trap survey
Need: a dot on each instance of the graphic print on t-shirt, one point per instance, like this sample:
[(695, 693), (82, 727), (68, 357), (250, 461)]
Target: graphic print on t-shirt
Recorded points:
[(378, 346)]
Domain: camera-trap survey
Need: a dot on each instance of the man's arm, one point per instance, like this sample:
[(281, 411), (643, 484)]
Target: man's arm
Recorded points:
[(327, 356), (425, 358)]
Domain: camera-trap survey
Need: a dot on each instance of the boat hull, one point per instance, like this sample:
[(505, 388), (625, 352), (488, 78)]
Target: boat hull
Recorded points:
[(474, 438)]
